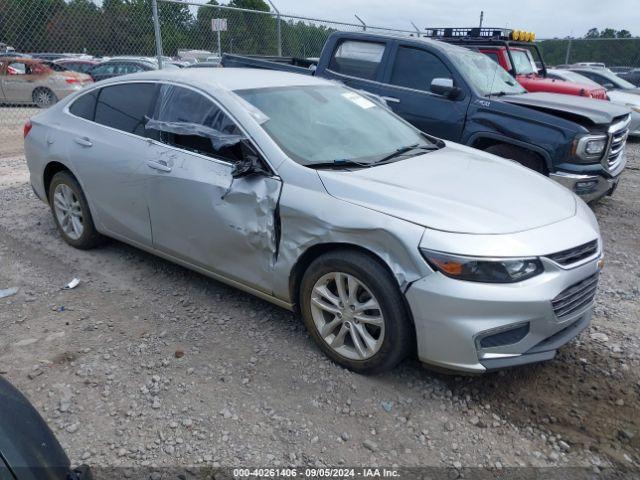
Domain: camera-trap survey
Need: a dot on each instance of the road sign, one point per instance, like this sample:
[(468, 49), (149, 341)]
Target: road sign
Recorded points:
[(219, 24)]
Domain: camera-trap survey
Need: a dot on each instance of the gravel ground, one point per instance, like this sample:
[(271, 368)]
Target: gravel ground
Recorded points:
[(148, 364)]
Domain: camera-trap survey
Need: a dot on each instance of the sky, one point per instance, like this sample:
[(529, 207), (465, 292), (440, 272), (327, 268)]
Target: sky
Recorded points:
[(547, 18)]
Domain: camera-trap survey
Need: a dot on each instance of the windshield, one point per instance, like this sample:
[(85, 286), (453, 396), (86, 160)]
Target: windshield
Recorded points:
[(616, 80), (523, 62), (321, 124), (577, 78), (484, 74)]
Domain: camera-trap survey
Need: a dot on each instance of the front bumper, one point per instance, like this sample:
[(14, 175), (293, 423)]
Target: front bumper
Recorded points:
[(452, 318), (588, 187)]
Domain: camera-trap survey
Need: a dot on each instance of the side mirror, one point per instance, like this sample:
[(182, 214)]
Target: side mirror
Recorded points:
[(444, 87), (608, 86), (249, 164)]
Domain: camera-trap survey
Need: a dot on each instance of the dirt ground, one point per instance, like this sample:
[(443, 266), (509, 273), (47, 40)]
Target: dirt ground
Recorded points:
[(148, 364)]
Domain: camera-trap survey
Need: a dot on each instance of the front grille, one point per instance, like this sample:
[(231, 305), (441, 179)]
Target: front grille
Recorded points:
[(574, 255), (576, 297), (617, 141)]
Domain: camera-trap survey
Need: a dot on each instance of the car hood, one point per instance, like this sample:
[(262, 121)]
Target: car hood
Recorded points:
[(595, 111), (624, 97), (456, 189)]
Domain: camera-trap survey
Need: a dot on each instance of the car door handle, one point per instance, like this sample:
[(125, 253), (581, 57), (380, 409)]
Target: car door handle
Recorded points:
[(84, 141), (391, 99), (161, 165)]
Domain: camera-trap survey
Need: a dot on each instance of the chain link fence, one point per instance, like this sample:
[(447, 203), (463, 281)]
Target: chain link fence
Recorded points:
[(614, 52), (93, 30)]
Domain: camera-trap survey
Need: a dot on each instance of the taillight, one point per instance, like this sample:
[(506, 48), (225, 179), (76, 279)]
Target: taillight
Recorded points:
[(72, 80), (27, 128)]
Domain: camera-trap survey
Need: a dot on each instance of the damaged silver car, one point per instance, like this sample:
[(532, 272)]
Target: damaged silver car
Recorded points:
[(389, 242)]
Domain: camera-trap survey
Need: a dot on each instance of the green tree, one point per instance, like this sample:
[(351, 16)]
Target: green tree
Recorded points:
[(592, 33)]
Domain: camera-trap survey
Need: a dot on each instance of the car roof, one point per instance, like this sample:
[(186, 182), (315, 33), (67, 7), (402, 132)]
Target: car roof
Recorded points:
[(228, 78), (22, 59)]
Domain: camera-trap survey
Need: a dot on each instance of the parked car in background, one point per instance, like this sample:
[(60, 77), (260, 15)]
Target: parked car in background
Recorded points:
[(31, 81), (119, 66), (205, 65), (461, 95), (305, 193), (520, 57), (619, 70), (76, 64), (620, 97), (607, 79), (589, 65), (51, 56), (633, 76)]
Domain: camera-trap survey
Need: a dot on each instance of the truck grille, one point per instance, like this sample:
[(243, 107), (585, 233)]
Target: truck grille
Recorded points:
[(618, 136), (574, 255), (576, 297)]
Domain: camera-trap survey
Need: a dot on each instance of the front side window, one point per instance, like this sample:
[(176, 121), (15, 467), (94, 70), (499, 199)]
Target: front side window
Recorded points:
[(125, 107), (416, 68), (358, 59), (186, 119), (324, 123)]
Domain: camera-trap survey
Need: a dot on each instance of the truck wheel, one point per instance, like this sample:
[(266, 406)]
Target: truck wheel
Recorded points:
[(520, 155), (354, 310)]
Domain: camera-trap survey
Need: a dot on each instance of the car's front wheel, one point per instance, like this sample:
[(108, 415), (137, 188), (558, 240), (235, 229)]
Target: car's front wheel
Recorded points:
[(71, 212), (355, 312)]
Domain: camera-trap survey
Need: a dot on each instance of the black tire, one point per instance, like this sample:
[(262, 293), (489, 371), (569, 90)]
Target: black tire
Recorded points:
[(398, 341), (90, 237), (520, 155), (43, 97)]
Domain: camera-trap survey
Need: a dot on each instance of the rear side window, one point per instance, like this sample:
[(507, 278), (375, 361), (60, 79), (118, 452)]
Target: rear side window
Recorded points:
[(85, 106), (415, 68), (125, 107), (358, 59), (186, 119)]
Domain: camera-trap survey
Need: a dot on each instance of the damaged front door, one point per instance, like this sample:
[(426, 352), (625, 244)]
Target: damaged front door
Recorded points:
[(199, 213)]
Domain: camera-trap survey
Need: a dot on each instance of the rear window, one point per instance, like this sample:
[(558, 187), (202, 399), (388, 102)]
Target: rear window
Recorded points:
[(125, 107), (358, 59), (85, 106)]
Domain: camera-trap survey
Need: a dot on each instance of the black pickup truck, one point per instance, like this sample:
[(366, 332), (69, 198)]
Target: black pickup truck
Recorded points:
[(461, 95)]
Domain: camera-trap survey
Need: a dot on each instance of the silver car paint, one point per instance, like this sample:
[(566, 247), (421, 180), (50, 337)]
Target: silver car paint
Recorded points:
[(228, 232)]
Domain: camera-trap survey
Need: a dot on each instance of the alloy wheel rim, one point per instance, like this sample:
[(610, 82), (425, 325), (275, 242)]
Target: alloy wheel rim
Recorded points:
[(44, 98), (68, 211), (347, 316)]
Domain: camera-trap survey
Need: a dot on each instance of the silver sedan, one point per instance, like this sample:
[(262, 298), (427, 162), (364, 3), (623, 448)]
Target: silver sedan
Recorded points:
[(389, 242)]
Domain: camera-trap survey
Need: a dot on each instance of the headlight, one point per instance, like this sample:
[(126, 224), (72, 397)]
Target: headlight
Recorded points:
[(635, 108), (589, 149), (486, 270)]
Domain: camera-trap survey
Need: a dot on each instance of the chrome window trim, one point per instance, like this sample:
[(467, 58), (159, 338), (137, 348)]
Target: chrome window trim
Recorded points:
[(383, 84), (206, 94)]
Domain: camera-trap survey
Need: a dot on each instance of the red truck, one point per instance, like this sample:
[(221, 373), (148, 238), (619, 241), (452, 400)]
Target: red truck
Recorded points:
[(510, 50)]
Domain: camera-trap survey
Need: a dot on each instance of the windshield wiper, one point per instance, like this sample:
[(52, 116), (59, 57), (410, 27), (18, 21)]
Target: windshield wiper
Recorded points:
[(339, 164), (403, 151)]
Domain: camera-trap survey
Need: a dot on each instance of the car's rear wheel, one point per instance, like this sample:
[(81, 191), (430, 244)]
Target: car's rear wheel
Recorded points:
[(355, 312), (520, 155), (71, 212), (44, 97)]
